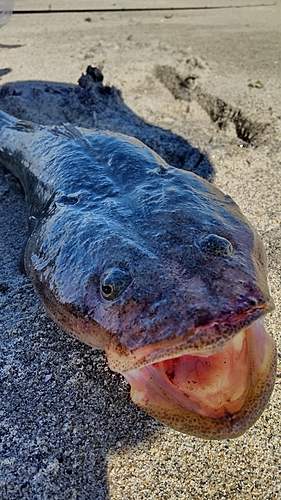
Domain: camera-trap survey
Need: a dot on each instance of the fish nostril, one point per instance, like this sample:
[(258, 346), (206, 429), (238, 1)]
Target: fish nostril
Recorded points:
[(216, 246), (252, 301)]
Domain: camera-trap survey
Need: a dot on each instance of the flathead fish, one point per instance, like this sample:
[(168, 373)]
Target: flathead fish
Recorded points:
[(152, 264)]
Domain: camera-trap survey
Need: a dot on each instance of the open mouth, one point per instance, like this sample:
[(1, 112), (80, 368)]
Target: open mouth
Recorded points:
[(210, 393)]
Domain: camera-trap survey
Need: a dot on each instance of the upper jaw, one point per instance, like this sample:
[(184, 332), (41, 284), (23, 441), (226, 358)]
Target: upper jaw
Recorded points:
[(206, 340)]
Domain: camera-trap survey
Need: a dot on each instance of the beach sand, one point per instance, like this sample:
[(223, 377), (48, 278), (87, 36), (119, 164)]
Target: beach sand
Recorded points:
[(68, 428)]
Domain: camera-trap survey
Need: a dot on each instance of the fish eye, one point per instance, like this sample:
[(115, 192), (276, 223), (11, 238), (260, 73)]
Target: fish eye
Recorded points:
[(107, 290), (216, 246), (114, 282)]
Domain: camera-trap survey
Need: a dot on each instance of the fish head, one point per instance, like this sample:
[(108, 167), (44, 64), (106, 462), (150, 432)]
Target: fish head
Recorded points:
[(173, 286), (188, 324)]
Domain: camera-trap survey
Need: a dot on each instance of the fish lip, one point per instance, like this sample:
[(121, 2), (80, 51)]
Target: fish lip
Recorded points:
[(189, 421), (200, 340)]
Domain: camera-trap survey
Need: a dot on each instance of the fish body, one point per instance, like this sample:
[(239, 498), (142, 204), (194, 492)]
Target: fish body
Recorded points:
[(152, 264)]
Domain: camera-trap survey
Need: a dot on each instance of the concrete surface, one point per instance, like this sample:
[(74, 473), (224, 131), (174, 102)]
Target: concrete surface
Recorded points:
[(68, 428)]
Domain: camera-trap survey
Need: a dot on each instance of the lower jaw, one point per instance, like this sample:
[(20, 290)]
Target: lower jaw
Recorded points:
[(180, 409)]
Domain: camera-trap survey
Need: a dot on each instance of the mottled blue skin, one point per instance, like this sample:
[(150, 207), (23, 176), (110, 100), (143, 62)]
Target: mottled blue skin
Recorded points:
[(103, 205)]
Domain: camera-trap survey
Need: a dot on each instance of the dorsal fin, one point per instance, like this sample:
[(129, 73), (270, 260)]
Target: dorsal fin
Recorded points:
[(14, 123), (24, 126), (71, 132)]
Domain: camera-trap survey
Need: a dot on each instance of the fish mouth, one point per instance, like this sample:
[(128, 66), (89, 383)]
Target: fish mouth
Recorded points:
[(213, 392)]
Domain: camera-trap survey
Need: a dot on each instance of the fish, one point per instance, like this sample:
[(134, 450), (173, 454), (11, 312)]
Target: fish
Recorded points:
[(152, 264)]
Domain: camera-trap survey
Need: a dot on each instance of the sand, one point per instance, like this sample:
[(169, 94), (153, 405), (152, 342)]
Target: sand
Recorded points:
[(68, 428)]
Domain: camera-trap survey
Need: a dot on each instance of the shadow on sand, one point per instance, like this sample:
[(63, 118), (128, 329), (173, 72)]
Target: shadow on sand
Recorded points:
[(91, 104), (74, 411)]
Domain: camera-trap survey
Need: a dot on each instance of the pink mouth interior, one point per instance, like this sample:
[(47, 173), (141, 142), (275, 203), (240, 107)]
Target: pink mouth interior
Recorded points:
[(215, 385)]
